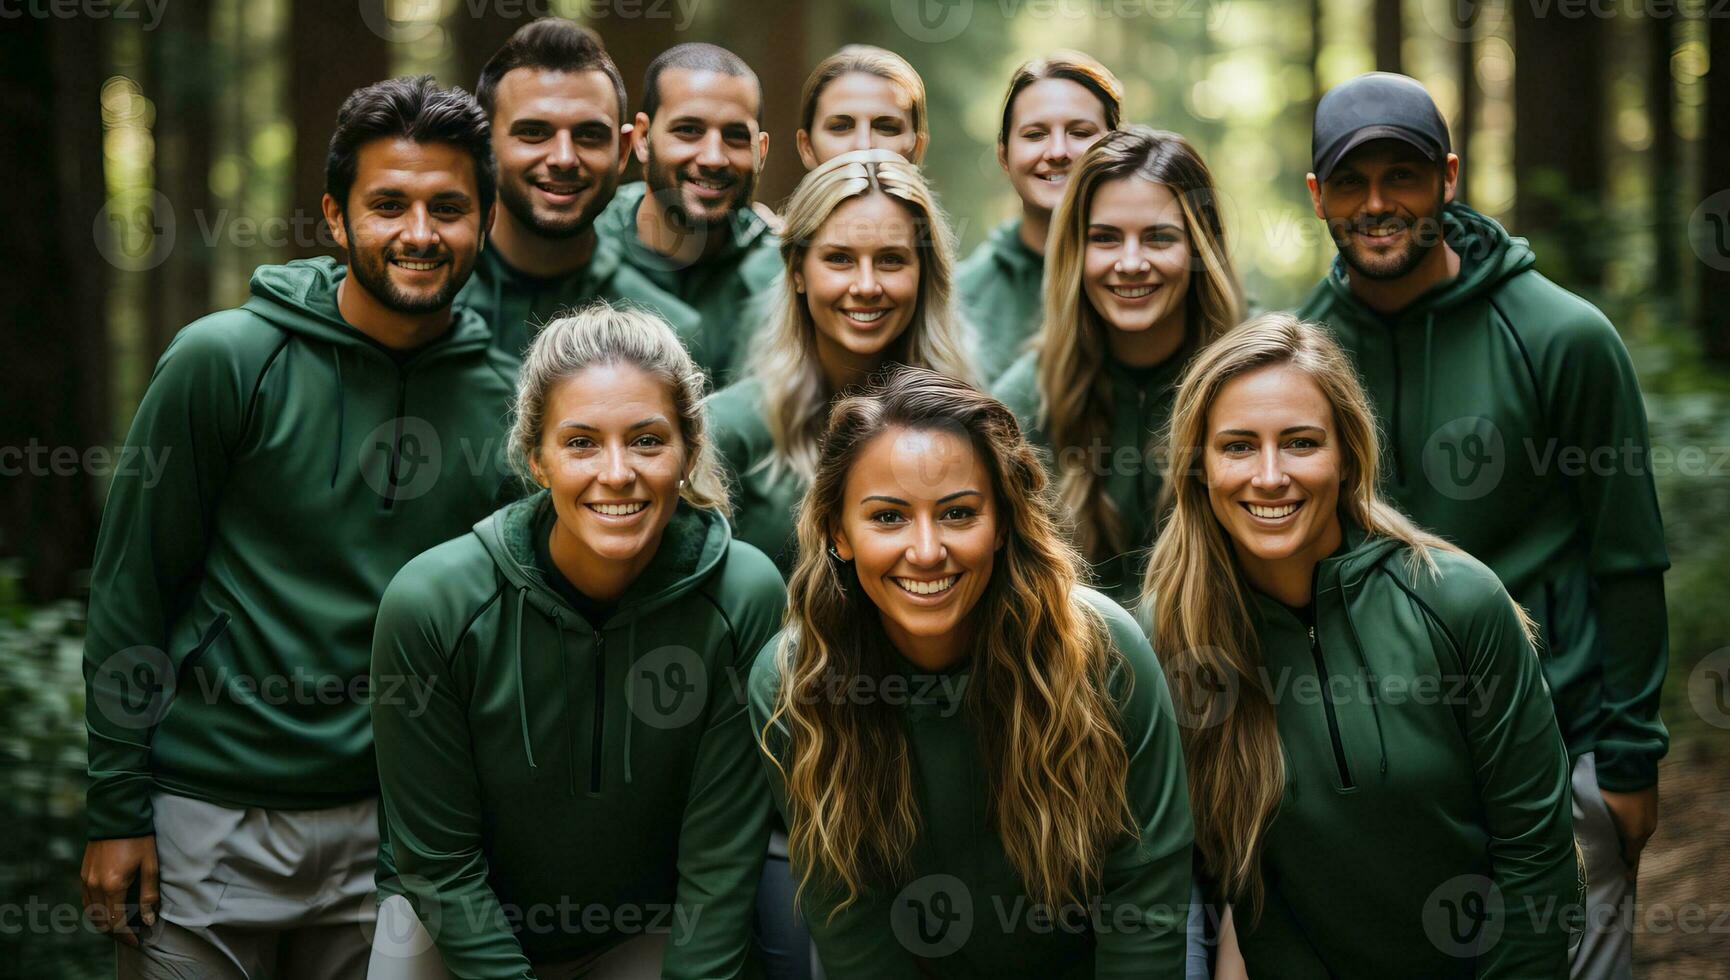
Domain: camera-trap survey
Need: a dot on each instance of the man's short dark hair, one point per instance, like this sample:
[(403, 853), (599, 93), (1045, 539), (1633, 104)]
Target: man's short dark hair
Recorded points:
[(696, 56), (415, 109), (551, 44)]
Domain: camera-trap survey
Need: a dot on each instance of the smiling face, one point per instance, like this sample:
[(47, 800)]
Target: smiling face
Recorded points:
[(558, 142), (1137, 263), (859, 111), (612, 454), (860, 279), (1383, 206), (412, 223), (703, 149), (919, 521), (1052, 122), (1274, 463)]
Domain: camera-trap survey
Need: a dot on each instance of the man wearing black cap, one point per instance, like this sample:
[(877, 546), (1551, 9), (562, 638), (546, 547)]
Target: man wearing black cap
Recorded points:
[(1513, 426)]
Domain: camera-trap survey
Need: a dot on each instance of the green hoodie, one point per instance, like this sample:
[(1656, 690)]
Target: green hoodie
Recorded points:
[(965, 912), (516, 304), (304, 463), (1514, 427), (512, 807), (1426, 829), (727, 289), (999, 292), (1129, 461), (764, 508)]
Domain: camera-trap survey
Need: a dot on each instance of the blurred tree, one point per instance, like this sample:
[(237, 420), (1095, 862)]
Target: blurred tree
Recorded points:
[(1661, 114), (634, 43), (774, 46), (478, 36), (182, 83), (1466, 71), (55, 346), (332, 52), (1559, 144), (1390, 35), (1714, 241)]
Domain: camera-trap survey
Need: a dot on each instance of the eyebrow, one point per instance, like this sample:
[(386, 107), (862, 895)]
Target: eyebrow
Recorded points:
[(398, 194), (902, 503), (1288, 430), (639, 424), (1162, 226)]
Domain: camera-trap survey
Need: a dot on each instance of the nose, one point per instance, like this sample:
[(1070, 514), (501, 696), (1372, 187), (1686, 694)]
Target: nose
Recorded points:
[(865, 280), (418, 234), (1132, 260), (927, 549), (1269, 474), (616, 469), (712, 154), (562, 154), (861, 138), (1375, 203)]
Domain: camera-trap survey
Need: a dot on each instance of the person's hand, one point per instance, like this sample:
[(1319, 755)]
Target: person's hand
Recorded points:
[(1635, 815), (110, 868)]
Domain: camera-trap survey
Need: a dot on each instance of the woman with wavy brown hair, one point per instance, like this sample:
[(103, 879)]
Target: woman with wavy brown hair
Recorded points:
[(1137, 279), (1378, 781), (975, 755)]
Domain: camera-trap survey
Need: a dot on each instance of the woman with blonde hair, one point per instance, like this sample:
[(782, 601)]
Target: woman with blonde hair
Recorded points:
[(867, 259), (554, 693), (1378, 782), (1139, 279), (1054, 109), (976, 754), (862, 98)]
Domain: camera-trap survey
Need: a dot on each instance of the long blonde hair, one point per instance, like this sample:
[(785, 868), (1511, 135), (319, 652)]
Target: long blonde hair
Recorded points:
[(870, 60), (1203, 630), (795, 394), (601, 333), (1075, 397), (1037, 696)]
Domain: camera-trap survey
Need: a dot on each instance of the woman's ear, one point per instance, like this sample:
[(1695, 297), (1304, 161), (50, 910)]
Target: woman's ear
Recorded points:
[(842, 547), (535, 470), (799, 282)]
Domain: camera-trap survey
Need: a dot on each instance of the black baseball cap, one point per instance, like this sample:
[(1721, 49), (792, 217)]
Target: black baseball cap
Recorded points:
[(1375, 106)]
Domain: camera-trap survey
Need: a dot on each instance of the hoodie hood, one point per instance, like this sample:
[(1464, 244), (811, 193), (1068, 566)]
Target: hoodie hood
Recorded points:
[(1011, 252), (743, 228)]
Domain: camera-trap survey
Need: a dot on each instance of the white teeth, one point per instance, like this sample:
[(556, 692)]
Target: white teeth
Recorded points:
[(1132, 292), (866, 316), (713, 185), (619, 510), (926, 588), (559, 188), (416, 266), (1054, 178), (1272, 513)]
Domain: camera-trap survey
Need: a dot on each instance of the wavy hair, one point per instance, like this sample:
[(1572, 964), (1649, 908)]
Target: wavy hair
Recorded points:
[(870, 60), (1201, 611), (1037, 698), (795, 395), (1075, 396), (601, 333)]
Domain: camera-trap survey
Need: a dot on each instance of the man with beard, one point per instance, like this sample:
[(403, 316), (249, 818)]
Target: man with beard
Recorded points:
[(1516, 429), (556, 103), (690, 226), (342, 421)]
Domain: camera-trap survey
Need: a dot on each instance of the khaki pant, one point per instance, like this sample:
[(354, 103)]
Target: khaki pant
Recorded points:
[(259, 894), (402, 949)]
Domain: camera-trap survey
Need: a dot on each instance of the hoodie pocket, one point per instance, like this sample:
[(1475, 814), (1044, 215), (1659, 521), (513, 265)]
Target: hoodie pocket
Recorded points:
[(212, 633)]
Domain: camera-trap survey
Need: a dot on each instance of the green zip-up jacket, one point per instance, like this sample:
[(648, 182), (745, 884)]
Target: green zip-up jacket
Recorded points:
[(1514, 427), (727, 289), (234, 591), (1426, 829), (965, 912), (549, 789), (516, 305), (1141, 401), (998, 287), (764, 509)]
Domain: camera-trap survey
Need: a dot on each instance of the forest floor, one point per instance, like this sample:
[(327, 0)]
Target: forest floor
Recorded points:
[(1683, 913)]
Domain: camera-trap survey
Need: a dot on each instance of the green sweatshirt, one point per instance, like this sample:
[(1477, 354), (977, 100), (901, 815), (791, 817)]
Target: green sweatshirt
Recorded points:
[(233, 593), (1515, 428), (516, 305), (999, 292), (1426, 829), (763, 508), (727, 289), (513, 810), (1141, 401), (965, 912)]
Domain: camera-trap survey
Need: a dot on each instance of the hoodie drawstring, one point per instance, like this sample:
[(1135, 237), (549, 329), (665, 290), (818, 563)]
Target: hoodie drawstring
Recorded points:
[(1369, 677), (336, 460), (522, 702)]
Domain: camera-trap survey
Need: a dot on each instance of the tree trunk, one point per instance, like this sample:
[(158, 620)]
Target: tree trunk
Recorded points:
[(55, 347), (634, 43), (1390, 32), (1466, 70), (332, 52), (778, 57), (1712, 240), (183, 84), (477, 38), (1559, 142)]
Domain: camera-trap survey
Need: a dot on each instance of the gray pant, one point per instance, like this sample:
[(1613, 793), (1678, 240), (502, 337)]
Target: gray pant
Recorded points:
[(1606, 950), (251, 894), (402, 949)]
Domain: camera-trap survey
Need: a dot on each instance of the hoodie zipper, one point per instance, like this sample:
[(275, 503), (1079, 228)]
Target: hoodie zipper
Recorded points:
[(1328, 706), (1394, 429), (600, 713)]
